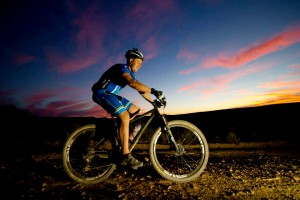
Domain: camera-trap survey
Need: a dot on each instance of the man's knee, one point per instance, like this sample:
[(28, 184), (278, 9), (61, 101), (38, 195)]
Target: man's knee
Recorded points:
[(124, 116), (135, 113)]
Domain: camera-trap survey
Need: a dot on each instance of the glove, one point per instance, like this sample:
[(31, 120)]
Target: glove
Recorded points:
[(156, 92), (157, 103)]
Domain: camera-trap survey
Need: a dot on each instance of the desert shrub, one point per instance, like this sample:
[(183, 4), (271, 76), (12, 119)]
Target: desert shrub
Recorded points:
[(232, 137)]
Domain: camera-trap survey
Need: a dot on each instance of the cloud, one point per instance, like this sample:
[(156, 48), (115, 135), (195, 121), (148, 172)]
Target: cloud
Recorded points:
[(253, 52), (278, 96), (88, 41), (57, 109), (61, 103), (6, 97), (96, 29), (282, 90), (66, 108), (151, 48), (295, 66), (22, 58), (223, 79), (144, 22), (188, 71), (186, 54), (248, 54), (71, 64), (280, 84), (145, 18)]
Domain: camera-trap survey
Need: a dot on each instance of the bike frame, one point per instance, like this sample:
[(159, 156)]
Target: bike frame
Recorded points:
[(188, 164), (154, 113)]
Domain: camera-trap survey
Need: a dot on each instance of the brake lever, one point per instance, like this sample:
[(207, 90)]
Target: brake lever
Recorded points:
[(162, 100)]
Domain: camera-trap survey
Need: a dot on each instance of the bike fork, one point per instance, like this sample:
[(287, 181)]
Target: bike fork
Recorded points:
[(166, 128)]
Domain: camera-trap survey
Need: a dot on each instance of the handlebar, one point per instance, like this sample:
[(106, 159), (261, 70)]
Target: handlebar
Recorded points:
[(160, 101)]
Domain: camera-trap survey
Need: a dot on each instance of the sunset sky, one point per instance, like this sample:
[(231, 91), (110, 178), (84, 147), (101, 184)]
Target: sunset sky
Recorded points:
[(204, 55)]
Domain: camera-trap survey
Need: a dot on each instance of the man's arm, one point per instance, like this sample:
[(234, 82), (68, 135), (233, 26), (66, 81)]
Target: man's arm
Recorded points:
[(144, 90), (146, 96)]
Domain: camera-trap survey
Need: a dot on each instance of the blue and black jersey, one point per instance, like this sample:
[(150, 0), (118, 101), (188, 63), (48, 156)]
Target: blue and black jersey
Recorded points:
[(112, 80)]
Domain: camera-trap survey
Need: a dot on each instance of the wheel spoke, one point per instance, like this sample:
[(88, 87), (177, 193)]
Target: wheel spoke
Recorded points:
[(87, 156), (188, 160)]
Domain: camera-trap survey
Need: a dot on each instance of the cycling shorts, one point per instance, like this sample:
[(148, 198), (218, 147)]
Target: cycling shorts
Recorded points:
[(112, 103)]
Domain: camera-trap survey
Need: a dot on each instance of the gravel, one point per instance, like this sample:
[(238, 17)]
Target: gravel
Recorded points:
[(245, 171)]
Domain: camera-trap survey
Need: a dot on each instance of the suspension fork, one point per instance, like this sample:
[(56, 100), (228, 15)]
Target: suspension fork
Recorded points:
[(166, 128)]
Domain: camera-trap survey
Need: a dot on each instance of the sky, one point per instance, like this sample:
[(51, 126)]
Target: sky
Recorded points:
[(204, 55)]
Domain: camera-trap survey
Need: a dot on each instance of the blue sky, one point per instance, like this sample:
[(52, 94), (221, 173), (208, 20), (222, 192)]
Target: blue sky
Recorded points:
[(203, 54)]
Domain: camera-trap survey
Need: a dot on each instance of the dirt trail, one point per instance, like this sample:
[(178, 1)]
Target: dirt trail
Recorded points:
[(245, 171)]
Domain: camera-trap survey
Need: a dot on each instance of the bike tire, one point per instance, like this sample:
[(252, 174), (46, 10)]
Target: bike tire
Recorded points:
[(184, 165), (87, 156)]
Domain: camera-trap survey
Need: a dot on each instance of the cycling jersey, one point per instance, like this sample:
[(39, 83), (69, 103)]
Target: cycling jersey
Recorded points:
[(112, 80), (107, 88)]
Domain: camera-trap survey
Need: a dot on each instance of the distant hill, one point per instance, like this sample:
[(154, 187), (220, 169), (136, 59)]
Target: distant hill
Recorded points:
[(11, 111), (272, 122)]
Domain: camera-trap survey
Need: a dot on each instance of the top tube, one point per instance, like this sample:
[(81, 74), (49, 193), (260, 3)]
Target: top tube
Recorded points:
[(143, 115)]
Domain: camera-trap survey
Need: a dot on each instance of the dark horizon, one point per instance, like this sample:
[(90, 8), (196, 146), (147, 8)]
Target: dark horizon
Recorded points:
[(263, 123)]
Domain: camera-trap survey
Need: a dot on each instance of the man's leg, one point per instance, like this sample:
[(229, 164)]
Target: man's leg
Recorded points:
[(133, 111), (124, 131), (128, 160)]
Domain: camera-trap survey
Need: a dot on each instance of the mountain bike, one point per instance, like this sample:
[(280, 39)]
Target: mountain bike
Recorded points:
[(178, 150)]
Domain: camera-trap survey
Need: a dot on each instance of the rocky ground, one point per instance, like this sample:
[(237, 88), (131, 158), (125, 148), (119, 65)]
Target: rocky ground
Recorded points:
[(245, 171)]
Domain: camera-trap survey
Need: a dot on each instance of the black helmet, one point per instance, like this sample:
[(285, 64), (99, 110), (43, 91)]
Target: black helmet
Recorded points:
[(134, 53)]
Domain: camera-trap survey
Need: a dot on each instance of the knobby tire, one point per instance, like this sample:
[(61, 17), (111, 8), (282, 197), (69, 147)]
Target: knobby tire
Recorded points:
[(185, 164), (87, 157)]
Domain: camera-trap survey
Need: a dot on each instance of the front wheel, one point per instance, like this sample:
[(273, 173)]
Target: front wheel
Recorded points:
[(87, 156), (184, 161)]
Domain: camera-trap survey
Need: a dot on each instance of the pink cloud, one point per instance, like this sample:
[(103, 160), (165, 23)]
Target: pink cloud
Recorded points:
[(95, 111), (223, 79), (22, 58), (67, 109), (295, 66), (6, 96), (37, 99), (140, 23), (51, 109), (188, 71), (280, 84), (143, 22), (186, 54), (214, 89), (151, 48), (42, 106), (88, 41), (279, 96), (73, 64), (146, 17), (57, 103), (248, 54), (193, 86)]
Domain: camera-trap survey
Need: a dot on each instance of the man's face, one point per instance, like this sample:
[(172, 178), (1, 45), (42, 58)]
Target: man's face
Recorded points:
[(135, 64)]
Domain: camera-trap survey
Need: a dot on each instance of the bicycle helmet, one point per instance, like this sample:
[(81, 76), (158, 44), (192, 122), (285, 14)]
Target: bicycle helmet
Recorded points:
[(134, 53)]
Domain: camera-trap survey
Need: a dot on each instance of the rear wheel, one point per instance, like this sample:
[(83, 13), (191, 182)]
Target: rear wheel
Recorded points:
[(186, 162), (87, 156)]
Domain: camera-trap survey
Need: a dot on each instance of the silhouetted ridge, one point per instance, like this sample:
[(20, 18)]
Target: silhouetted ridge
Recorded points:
[(270, 122), (13, 111), (23, 130)]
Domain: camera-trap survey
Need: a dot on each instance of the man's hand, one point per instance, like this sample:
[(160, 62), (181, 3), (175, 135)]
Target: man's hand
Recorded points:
[(157, 103), (156, 92)]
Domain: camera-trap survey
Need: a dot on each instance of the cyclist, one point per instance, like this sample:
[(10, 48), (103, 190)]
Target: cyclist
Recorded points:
[(106, 94)]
